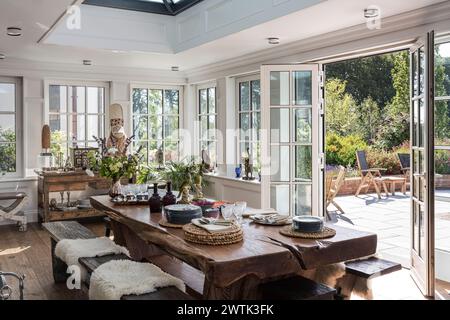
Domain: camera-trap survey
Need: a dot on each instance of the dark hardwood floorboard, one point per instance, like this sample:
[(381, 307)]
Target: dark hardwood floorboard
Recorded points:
[(29, 253)]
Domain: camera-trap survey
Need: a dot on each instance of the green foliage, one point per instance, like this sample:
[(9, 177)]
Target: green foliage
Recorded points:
[(342, 150), (7, 150), (58, 138), (366, 77), (341, 108), (182, 172), (442, 108), (442, 162), (378, 158), (369, 119), (115, 167)]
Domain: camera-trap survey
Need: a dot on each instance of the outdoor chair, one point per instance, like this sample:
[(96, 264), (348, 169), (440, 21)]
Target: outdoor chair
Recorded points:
[(369, 176), (405, 164), (333, 187)]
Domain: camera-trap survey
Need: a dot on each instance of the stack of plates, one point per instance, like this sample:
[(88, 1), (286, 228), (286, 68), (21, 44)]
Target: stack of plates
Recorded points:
[(307, 224)]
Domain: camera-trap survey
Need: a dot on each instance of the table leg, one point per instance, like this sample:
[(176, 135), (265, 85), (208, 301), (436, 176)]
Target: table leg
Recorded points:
[(243, 289), (393, 188)]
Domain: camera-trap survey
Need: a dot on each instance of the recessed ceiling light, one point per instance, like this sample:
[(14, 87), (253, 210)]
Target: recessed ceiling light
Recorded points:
[(371, 12), (175, 68), (87, 62), (2, 56), (14, 31), (273, 40)]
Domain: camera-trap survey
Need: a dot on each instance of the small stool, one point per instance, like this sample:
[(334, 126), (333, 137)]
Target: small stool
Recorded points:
[(13, 212), (393, 183)]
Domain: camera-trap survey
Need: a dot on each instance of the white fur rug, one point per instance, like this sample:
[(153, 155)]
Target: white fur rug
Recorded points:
[(70, 251), (118, 278)]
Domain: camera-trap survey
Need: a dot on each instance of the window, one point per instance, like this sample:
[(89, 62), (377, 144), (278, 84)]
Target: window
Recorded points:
[(207, 115), (156, 118), (249, 110), (10, 129), (76, 114)]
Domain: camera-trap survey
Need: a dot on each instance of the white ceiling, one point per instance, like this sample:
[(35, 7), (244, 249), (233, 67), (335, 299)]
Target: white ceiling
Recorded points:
[(36, 16)]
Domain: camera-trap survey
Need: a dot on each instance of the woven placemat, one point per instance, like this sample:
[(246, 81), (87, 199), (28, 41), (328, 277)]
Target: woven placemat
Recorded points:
[(198, 235), (325, 233), (164, 223)]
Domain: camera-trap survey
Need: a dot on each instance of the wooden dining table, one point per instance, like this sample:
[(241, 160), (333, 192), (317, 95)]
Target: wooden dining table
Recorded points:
[(233, 271)]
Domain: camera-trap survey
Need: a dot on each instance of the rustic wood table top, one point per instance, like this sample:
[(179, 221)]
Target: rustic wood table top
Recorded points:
[(264, 252)]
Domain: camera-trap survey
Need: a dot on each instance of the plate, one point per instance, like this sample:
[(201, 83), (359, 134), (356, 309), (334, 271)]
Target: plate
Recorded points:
[(263, 220), (252, 212)]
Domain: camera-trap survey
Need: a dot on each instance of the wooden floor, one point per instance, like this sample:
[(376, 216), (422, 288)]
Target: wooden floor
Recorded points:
[(29, 253)]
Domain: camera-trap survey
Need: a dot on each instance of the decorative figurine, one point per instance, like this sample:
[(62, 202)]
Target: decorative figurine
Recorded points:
[(117, 139), (248, 167), (198, 184), (184, 194), (155, 200), (160, 158), (169, 198), (206, 161)]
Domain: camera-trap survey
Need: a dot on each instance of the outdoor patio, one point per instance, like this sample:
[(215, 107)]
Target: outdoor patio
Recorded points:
[(390, 219)]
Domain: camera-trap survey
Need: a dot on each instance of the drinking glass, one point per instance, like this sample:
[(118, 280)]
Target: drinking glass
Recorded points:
[(238, 210), (227, 212)]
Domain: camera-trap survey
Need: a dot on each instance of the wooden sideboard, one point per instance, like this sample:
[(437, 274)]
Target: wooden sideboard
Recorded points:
[(49, 181)]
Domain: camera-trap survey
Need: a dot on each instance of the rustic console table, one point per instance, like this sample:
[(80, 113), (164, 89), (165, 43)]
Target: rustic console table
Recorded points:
[(52, 181)]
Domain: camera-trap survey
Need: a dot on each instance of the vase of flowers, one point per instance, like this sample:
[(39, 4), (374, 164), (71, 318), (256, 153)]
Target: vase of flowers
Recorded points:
[(115, 167)]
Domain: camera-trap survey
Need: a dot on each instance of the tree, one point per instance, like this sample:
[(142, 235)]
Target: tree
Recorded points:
[(369, 119), (394, 129), (341, 108), (366, 77), (442, 108)]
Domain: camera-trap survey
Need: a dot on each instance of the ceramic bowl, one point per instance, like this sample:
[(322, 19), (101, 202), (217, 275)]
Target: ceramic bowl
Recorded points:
[(181, 213), (307, 224)]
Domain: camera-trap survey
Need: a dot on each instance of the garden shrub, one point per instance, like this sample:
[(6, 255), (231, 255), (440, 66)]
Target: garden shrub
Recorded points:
[(342, 150), (383, 159), (442, 162)]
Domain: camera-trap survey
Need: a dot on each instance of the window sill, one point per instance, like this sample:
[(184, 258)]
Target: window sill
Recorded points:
[(218, 176), (17, 179)]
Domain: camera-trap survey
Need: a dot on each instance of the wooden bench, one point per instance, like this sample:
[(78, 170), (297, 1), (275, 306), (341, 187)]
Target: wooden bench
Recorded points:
[(363, 269), (167, 293), (371, 267), (64, 230), (296, 288), (74, 230)]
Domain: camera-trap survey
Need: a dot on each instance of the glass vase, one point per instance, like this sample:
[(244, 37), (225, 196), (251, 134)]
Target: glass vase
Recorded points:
[(115, 189)]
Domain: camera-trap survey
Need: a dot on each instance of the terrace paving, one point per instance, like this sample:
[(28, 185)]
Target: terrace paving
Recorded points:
[(390, 219)]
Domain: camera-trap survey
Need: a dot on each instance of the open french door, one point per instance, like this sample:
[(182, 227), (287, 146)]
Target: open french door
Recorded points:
[(422, 164), (291, 136)]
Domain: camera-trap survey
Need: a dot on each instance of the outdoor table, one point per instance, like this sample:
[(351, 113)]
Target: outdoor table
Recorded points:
[(233, 271)]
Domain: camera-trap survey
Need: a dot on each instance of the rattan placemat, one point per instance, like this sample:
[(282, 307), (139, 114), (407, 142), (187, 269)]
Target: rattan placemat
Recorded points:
[(325, 233), (198, 235), (164, 223)]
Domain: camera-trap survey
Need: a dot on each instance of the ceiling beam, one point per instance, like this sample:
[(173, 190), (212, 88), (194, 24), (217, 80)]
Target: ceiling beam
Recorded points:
[(169, 6)]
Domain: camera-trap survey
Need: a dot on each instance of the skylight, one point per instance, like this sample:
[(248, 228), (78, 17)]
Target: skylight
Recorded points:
[(167, 7)]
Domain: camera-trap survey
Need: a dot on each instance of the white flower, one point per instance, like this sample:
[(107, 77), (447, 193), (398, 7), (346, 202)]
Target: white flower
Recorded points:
[(112, 150)]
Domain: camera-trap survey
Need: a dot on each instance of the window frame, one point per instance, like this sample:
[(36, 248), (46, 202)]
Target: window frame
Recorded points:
[(76, 83), (19, 126), (238, 81), (206, 86), (151, 86)]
